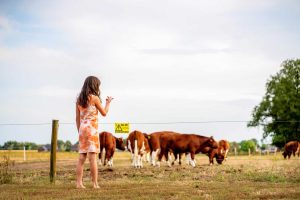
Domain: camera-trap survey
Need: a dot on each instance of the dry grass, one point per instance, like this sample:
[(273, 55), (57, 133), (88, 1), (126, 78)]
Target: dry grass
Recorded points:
[(266, 177)]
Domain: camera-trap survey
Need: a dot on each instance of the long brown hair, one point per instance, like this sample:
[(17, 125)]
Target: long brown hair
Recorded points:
[(90, 86)]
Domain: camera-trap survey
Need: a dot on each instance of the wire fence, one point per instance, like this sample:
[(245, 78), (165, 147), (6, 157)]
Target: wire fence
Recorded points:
[(46, 126), (154, 123)]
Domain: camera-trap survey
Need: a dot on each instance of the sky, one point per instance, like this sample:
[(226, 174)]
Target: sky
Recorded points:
[(163, 61)]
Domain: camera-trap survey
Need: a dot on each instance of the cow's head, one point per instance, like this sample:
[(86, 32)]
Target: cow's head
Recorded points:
[(120, 144), (219, 158), (284, 154)]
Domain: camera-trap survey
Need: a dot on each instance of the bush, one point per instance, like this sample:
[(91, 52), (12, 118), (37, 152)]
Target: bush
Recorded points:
[(6, 174)]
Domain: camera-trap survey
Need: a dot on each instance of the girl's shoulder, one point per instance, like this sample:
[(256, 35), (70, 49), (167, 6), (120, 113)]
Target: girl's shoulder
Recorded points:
[(93, 99)]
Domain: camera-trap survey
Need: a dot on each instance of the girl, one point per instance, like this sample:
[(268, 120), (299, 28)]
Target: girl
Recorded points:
[(87, 106)]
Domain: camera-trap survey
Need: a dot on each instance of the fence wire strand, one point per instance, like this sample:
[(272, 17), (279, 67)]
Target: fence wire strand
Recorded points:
[(145, 123)]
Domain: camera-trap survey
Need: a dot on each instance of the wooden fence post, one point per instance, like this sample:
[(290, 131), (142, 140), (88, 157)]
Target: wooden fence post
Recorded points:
[(24, 153), (234, 151), (53, 150), (249, 151)]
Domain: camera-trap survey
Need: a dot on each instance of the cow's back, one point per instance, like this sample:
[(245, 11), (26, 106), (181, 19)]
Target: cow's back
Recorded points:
[(291, 146), (154, 139), (182, 143), (107, 140), (136, 136)]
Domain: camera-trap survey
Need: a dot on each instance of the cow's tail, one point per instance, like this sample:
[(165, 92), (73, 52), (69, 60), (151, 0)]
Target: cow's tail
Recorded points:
[(135, 150), (103, 151)]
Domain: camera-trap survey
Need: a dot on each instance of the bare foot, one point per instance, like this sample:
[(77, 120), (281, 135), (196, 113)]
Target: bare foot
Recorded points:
[(80, 186), (96, 186)]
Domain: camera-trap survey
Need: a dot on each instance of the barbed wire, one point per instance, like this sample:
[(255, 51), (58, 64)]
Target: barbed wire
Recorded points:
[(145, 123)]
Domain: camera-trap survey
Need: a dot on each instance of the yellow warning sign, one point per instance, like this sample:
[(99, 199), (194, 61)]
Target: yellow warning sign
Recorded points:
[(121, 127)]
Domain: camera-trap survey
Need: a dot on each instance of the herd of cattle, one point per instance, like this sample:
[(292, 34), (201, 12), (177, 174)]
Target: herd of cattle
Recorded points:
[(153, 147)]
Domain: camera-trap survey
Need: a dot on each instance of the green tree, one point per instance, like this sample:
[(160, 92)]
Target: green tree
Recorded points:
[(10, 145), (279, 111), (68, 145), (14, 145), (255, 141), (30, 146), (61, 145), (247, 144), (263, 146)]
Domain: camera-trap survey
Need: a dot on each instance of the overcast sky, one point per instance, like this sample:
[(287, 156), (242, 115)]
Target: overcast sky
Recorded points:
[(162, 61)]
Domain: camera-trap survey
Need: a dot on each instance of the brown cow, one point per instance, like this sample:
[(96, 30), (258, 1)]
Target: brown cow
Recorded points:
[(154, 143), (214, 153), (136, 145), (108, 144), (292, 147), (185, 143)]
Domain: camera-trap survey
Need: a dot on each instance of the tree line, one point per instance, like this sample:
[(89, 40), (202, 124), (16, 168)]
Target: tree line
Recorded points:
[(14, 145), (242, 146)]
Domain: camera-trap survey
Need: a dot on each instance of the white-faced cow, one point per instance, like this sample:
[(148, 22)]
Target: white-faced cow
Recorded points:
[(136, 144), (224, 148)]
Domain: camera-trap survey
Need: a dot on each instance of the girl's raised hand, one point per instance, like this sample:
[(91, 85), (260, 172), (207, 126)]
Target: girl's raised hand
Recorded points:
[(109, 99)]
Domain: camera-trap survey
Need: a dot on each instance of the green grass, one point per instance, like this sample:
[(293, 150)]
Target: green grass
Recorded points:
[(243, 177)]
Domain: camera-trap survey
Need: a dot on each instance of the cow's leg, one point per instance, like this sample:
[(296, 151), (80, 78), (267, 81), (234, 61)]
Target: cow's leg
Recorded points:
[(167, 158), (148, 157), (130, 149), (110, 162), (180, 156), (112, 158), (154, 155), (188, 158), (170, 157), (103, 156), (109, 156), (175, 158), (211, 158), (99, 156), (133, 160), (141, 160), (192, 162), (136, 154), (160, 155)]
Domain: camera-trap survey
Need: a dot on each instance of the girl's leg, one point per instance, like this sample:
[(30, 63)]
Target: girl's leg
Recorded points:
[(94, 169), (79, 170)]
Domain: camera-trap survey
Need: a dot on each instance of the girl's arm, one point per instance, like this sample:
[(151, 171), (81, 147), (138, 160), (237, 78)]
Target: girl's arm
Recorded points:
[(77, 117), (99, 106)]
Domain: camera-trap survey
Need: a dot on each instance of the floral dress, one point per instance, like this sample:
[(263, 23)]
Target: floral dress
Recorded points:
[(88, 130)]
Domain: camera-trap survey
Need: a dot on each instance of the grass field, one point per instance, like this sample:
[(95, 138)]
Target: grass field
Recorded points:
[(241, 177)]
